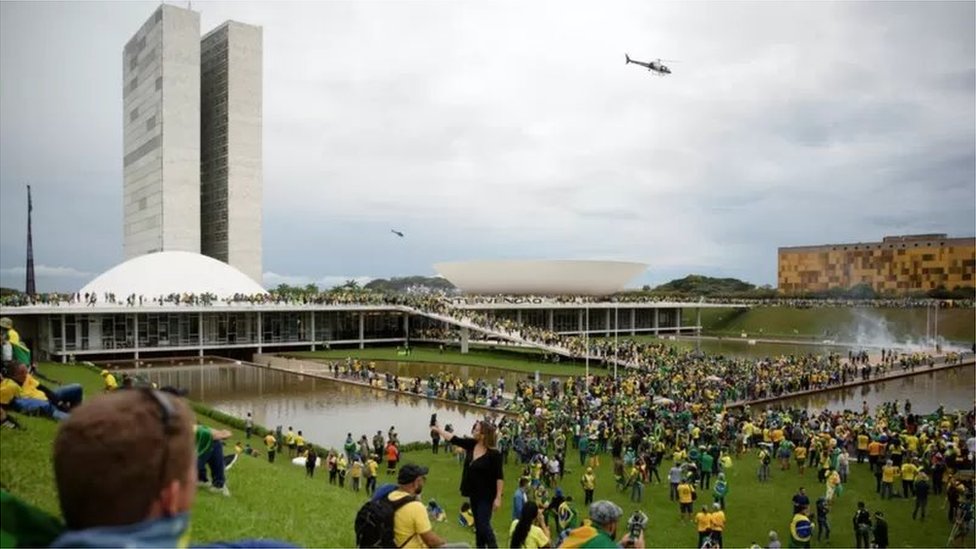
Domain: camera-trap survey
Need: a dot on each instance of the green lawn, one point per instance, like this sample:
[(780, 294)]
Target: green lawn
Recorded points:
[(843, 324), (277, 501), (520, 360)]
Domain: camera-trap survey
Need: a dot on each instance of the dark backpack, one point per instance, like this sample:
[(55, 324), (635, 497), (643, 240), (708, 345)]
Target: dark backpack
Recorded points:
[(374, 522)]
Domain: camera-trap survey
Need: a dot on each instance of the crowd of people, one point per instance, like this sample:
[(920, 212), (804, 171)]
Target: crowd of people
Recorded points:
[(668, 417), (346, 296)]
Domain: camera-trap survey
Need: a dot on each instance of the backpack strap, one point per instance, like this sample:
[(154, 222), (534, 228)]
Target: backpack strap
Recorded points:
[(396, 507)]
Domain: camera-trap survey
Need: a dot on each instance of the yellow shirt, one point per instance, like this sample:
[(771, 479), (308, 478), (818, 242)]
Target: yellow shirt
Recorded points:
[(270, 441), (110, 383), (800, 452), (299, 440), (13, 337), (862, 442), (588, 481), (535, 539), (888, 473), (371, 467), (703, 521), (684, 492), (410, 521), (717, 520), (908, 471), (357, 470), (9, 390)]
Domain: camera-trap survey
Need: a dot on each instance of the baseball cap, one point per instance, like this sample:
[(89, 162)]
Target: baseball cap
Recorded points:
[(605, 512), (410, 472)]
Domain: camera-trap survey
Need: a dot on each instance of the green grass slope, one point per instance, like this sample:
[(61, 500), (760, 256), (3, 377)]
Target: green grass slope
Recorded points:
[(841, 324), (277, 501)]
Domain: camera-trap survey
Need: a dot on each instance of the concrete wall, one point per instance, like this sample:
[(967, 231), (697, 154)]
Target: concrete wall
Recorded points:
[(245, 149), (161, 111), (181, 129), (231, 192)]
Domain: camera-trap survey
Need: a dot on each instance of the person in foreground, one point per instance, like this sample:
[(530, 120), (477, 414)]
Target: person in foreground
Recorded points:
[(125, 466), (411, 524), (482, 478), (602, 531)]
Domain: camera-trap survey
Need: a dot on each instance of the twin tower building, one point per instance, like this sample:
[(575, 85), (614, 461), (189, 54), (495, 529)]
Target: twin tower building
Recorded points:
[(192, 132)]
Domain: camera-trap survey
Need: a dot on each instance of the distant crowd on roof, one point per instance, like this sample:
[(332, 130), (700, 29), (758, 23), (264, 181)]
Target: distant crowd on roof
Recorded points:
[(368, 297)]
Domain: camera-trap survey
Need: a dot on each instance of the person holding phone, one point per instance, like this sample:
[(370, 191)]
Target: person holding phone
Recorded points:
[(482, 478)]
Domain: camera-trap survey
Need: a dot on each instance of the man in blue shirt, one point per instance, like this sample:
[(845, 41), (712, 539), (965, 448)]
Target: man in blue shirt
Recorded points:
[(519, 498)]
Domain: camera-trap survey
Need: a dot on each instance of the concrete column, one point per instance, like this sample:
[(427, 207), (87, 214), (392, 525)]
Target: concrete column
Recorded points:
[(200, 332), (465, 335), (311, 336), (406, 328), (135, 333), (657, 321), (549, 316), (579, 324), (698, 326), (518, 316), (633, 321), (606, 313), (677, 321), (362, 330), (260, 334), (64, 344)]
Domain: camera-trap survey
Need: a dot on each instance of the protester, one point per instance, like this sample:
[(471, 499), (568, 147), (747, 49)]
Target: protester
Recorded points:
[(530, 530), (880, 530), (23, 393), (801, 529), (125, 468), (482, 478), (703, 524), (602, 530), (210, 455), (411, 524)]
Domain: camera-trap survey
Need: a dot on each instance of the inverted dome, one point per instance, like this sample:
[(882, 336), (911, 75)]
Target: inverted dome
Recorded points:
[(164, 273), (559, 277)]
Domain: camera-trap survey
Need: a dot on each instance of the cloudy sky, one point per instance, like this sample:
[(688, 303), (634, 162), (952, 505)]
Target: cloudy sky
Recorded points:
[(514, 130)]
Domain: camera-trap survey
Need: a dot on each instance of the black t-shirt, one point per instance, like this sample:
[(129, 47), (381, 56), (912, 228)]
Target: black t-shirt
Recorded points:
[(478, 478)]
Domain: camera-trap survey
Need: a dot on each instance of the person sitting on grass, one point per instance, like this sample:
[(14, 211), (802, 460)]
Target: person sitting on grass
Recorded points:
[(125, 470), (435, 512), (109, 380), (466, 517), (22, 393)]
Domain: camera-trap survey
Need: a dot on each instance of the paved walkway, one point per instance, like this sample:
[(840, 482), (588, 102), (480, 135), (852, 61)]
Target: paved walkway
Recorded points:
[(895, 372), (321, 371)]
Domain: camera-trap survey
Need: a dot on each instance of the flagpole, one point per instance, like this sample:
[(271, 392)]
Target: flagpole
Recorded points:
[(30, 287)]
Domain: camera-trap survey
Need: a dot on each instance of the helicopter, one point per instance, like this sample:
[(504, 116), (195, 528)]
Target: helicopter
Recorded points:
[(656, 66)]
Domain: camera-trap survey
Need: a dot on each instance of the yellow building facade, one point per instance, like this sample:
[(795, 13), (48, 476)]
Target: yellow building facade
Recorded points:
[(897, 264)]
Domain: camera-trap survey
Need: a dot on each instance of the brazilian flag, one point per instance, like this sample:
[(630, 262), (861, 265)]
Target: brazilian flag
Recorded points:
[(21, 353)]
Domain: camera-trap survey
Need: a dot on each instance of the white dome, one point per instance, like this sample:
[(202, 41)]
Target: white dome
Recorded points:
[(557, 277), (164, 273)]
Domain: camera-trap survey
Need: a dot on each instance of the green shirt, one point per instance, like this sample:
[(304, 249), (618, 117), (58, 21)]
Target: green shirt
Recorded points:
[(204, 439)]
